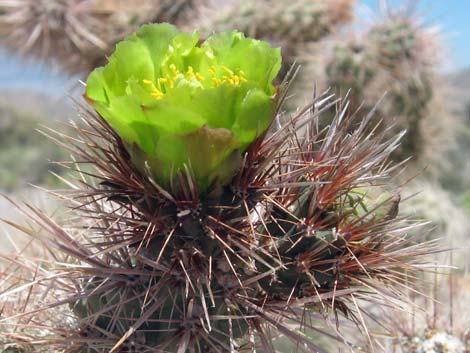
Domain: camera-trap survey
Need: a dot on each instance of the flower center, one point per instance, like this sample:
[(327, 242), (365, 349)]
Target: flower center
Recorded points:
[(218, 77), (228, 77)]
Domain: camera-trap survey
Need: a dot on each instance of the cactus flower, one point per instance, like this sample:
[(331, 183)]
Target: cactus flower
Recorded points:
[(176, 101)]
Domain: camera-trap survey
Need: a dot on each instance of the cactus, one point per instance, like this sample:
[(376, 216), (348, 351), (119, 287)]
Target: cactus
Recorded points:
[(177, 253), (289, 24), (350, 68), (77, 35), (299, 21), (393, 56)]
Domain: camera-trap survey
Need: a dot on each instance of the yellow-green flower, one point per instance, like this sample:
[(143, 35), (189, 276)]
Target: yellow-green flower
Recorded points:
[(178, 102)]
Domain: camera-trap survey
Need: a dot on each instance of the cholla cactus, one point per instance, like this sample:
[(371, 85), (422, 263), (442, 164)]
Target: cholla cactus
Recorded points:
[(78, 34), (266, 231), (350, 68), (299, 21), (394, 56), (289, 24)]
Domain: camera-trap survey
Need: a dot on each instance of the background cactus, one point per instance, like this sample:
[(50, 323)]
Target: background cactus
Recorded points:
[(78, 34), (397, 56), (291, 25)]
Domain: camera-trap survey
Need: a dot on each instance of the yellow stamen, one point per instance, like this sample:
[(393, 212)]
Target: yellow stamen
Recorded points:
[(168, 81), (174, 70), (212, 71), (157, 94), (190, 73), (227, 70), (216, 81)]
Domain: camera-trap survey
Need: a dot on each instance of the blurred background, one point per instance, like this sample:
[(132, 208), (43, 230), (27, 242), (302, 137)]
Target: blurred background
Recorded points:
[(415, 51)]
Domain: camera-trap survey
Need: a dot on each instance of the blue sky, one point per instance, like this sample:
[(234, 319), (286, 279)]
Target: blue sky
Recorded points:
[(16, 73), (452, 16)]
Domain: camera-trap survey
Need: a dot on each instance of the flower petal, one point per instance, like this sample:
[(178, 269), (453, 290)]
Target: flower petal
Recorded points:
[(219, 105), (208, 150), (255, 116), (258, 60), (138, 57), (170, 118), (126, 116)]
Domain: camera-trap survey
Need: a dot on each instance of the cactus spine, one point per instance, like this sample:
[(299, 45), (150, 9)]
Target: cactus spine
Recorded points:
[(151, 270)]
